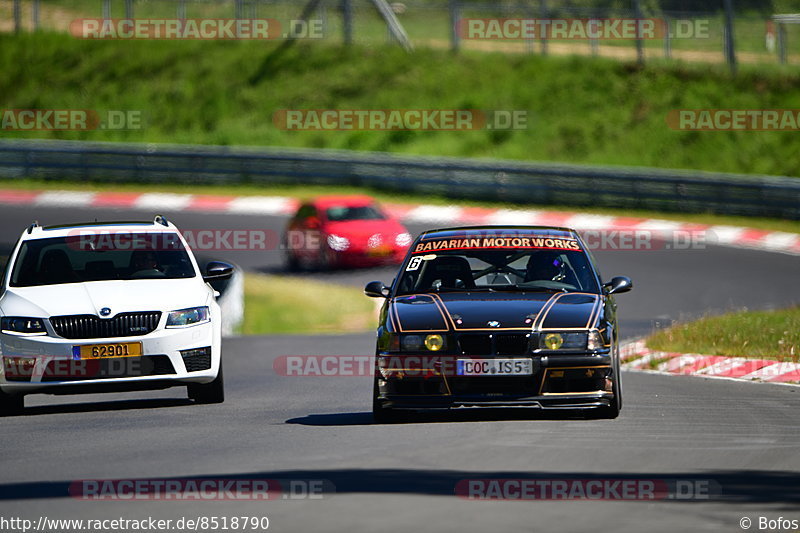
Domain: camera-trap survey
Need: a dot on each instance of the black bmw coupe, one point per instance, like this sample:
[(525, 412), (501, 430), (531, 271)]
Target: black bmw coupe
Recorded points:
[(498, 316)]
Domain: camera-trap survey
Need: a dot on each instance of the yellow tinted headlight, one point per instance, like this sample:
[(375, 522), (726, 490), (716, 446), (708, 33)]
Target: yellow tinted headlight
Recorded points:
[(434, 343), (553, 341)]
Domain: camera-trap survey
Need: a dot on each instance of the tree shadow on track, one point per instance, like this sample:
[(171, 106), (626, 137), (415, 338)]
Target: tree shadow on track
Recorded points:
[(735, 487), (432, 417), (95, 407)]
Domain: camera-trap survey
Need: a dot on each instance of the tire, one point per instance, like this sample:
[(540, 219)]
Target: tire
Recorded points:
[(292, 264), (612, 411), (325, 261), (11, 404), (208, 393), (381, 414)]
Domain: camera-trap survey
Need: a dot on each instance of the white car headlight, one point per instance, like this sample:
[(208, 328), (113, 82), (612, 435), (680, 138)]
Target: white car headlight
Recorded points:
[(337, 243), (403, 239), (188, 317), (22, 325)]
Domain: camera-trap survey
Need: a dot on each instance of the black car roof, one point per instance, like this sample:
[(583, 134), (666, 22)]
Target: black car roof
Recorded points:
[(549, 231)]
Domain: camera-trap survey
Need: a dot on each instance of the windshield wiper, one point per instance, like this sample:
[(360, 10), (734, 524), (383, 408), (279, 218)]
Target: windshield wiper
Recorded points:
[(547, 289)]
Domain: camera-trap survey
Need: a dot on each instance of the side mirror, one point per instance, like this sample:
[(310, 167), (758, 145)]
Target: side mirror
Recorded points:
[(217, 270), (618, 285), (376, 289)]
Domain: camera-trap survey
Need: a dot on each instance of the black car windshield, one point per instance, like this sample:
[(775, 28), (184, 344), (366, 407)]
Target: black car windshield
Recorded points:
[(359, 212), (101, 257), (498, 269)]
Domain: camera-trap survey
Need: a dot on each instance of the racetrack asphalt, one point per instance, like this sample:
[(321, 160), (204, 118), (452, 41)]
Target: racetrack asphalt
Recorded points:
[(739, 440)]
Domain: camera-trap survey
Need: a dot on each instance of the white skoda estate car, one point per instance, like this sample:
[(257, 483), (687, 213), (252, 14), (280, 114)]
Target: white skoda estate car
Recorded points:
[(105, 307)]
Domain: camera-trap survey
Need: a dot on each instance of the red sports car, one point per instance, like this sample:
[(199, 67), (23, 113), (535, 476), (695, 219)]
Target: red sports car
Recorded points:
[(344, 231)]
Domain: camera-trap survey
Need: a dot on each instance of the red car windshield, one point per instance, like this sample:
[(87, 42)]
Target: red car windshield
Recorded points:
[(345, 213)]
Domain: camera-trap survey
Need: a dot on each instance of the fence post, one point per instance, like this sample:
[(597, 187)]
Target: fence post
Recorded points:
[(181, 10), (637, 13), (455, 38), (667, 37), (730, 42), (347, 22), (17, 16), (106, 9), (543, 15), (35, 15), (782, 43), (128, 9)]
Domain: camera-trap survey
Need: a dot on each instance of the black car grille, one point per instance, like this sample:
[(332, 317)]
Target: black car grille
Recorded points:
[(511, 344), (508, 385), (503, 344), (112, 367), (475, 344), (93, 327)]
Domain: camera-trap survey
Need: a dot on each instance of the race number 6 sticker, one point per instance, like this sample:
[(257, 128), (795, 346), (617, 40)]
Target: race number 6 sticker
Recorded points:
[(414, 263)]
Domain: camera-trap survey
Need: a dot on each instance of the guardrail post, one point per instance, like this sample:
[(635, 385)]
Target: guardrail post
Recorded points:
[(347, 22), (455, 38), (730, 43)]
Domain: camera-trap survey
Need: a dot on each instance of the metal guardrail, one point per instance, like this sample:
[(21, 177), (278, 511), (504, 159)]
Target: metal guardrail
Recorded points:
[(473, 179)]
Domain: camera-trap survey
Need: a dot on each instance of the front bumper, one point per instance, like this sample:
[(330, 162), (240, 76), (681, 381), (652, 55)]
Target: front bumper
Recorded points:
[(169, 356), (578, 381)]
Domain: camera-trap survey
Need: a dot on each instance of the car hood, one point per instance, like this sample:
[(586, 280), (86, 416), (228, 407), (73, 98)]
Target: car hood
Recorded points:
[(119, 296), (495, 310)]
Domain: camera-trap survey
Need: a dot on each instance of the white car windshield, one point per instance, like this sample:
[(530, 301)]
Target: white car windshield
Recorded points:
[(95, 258)]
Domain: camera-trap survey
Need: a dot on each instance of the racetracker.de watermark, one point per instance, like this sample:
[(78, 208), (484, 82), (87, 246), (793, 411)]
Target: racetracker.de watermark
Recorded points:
[(734, 119), (399, 119), (216, 240), (69, 119), (260, 240), (596, 489), (581, 29), (194, 29), (200, 489)]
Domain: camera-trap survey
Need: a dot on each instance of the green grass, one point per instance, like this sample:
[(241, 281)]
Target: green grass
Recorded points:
[(582, 110), (281, 304), (762, 334), (304, 192)]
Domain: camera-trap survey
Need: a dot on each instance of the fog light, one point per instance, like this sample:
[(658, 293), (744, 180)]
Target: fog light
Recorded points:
[(553, 341), (434, 342), (196, 352)]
